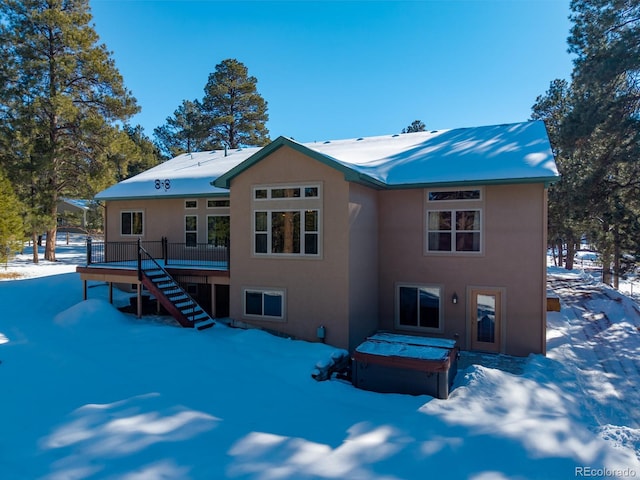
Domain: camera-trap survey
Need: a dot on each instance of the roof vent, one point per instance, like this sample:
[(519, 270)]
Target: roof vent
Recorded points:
[(396, 135), (358, 139), (434, 131), (328, 141)]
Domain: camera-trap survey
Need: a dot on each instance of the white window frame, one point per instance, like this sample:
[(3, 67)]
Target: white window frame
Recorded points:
[(453, 206), (132, 234), (281, 292), (454, 231), (224, 199), (270, 188), (418, 328), (450, 189), (303, 232), (190, 231)]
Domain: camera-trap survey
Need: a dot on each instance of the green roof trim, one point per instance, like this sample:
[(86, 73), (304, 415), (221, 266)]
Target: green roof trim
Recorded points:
[(350, 175)]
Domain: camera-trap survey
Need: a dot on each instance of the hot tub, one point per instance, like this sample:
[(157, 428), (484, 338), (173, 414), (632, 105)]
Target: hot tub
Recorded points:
[(390, 363)]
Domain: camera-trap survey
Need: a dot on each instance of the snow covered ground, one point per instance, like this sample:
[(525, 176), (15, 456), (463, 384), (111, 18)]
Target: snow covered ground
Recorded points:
[(89, 392)]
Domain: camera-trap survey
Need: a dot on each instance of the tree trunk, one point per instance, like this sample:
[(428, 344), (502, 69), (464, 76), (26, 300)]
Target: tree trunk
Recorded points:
[(50, 245), (571, 252), (34, 238), (560, 254)]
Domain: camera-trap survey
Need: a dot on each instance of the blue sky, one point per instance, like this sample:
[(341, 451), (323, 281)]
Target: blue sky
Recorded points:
[(332, 70)]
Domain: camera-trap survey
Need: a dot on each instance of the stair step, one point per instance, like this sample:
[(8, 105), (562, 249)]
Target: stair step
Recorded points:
[(161, 278), (186, 303), (163, 286), (154, 273), (175, 292), (208, 323)]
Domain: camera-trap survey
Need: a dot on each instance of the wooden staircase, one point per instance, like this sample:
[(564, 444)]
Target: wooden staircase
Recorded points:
[(170, 294)]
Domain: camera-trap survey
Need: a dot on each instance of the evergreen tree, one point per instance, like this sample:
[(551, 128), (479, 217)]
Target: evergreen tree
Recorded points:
[(11, 227), (416, 126), (184, 132), (62, 96), (604, 123), (235, 113)]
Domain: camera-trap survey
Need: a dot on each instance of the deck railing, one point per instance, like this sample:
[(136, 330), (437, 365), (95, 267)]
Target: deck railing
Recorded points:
[(183, 254)]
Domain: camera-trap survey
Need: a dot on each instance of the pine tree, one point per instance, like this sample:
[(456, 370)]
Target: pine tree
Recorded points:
[(184, 132), (416, 126), (11, 226), (62, 97), (236, 114)]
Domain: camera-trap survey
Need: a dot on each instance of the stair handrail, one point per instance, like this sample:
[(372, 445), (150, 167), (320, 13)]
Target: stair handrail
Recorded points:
[(141, 251)]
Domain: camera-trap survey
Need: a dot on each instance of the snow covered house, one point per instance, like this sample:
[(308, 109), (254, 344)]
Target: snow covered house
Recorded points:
[(439, 233)]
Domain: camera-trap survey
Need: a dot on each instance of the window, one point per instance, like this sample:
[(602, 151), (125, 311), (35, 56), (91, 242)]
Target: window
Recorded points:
[(290, 232), (218, 203), (288, 192), (268, 304), (131, 223), (453, 231), (419, 307), (191, 230), (286, 220), (218, 228), (453, 195), (190, 204)]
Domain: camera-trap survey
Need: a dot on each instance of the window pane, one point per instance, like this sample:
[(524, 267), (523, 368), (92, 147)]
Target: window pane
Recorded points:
[(468, 242), (272, 304), (439, 242), (285, 192), (311, 243), (137, 223), (285, 232), (430, 307), (218, 203), (439, 221), (126, 223), (218, 230), (311, 221), (253, 303), (261, 221), (191, 204), (407, 305), (468, 220), (455, 195), (311, 192), (261, 193), (486, 316), (261, 243), (191, 239), (191, 223)]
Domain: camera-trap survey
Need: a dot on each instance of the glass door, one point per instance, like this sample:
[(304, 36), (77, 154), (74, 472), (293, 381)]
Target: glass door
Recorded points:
[(486, 319)]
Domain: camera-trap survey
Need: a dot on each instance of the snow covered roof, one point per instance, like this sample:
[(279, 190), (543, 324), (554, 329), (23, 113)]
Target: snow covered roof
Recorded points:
[(187, 175), (513, 153)]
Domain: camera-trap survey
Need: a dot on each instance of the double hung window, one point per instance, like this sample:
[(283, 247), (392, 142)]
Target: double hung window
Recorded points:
[(131, 223), (454, 224)]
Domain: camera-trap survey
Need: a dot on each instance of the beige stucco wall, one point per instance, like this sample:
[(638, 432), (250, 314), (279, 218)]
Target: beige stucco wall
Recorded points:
[(514, 225), (162, 218), (363, 263), (316, 289)]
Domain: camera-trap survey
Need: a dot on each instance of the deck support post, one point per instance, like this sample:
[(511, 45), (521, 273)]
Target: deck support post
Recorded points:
[(111, 293), (84, 289), (139, 302)]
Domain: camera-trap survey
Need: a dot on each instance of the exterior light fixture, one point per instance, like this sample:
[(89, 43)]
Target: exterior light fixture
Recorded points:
[(454, 298), (321, 333)]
